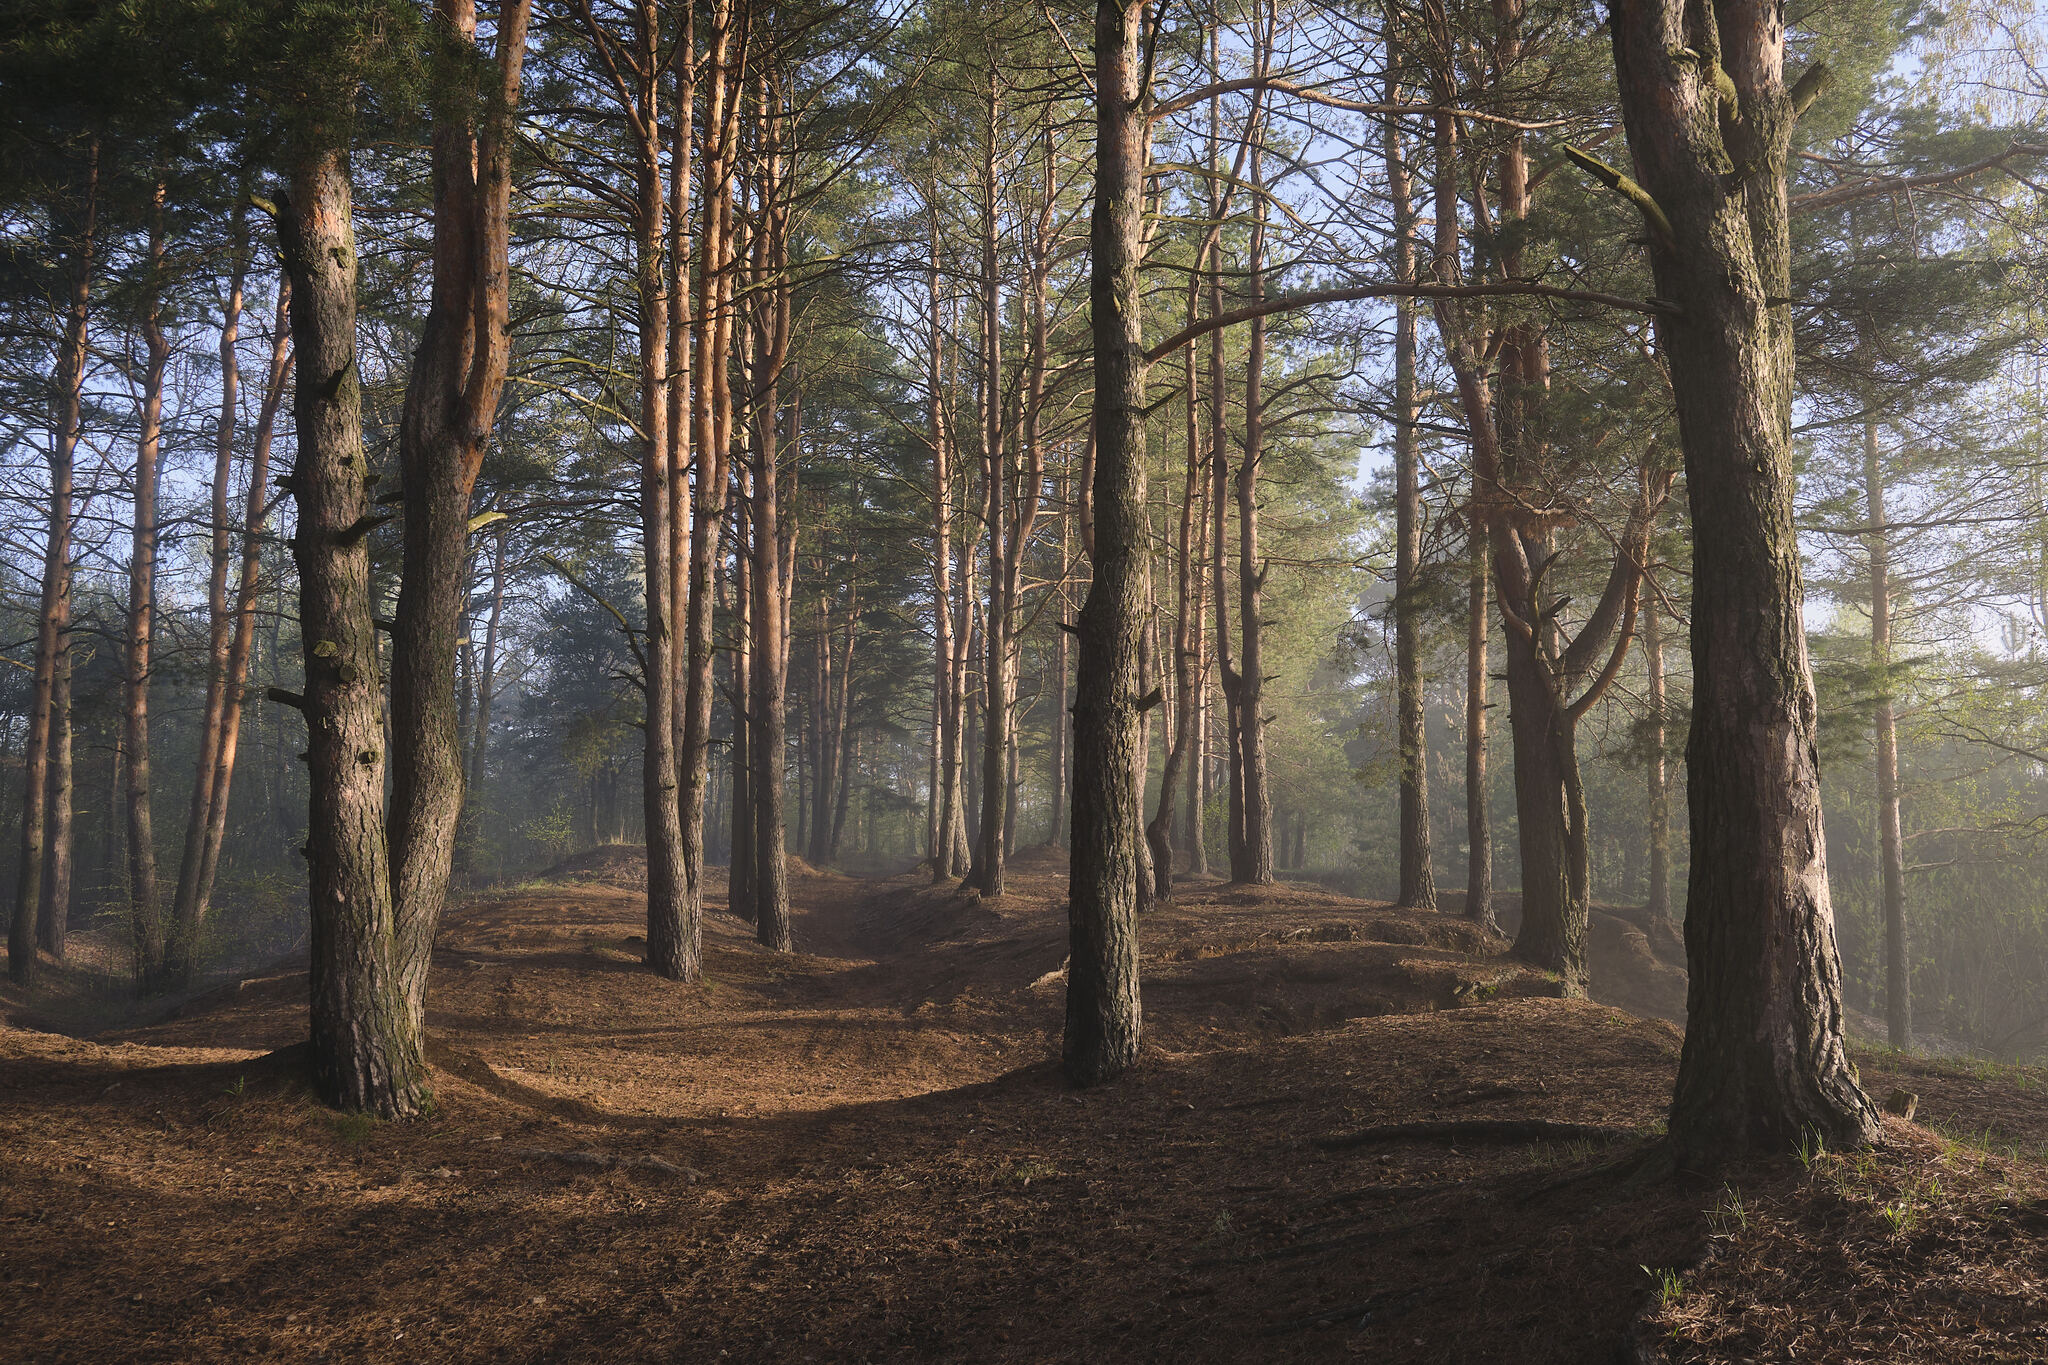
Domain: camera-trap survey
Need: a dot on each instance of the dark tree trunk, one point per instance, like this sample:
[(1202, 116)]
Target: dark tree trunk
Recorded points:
[(1764, 1061), (368, 1050), (451, 403), (1103, 1019), (1254, 864)]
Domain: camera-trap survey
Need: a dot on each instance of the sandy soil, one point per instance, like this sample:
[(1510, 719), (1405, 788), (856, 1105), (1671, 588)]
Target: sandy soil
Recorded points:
[(863, 1152)]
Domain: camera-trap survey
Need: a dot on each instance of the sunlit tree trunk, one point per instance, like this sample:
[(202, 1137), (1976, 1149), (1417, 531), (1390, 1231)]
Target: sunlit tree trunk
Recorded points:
[(368, 1050), (769, 659), (1764, 1061), (711, 420), (145, 906), (1417, 879), (187, 907), (42, 891)]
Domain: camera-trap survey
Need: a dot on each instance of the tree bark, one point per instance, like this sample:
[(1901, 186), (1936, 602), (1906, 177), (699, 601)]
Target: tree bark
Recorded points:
[(187, 909), (1254, 865), (1898, 997), (1659, 903), (1478, 818), (368, 1048), (711, 420), (769, 662), (42, 891), (672, 951), (1764, 1061), (145, 906), (451, 402), (1417, 877), (1103, 1017), (985, 871)]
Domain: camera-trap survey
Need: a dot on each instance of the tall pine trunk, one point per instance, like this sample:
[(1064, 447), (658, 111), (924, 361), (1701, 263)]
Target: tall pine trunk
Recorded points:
[(187, 909), (1478, 819), (368, 1048), (1764, 1061), (1898, 983), (1103, 1018), (1417, 876), (145, 906), (42, 891)]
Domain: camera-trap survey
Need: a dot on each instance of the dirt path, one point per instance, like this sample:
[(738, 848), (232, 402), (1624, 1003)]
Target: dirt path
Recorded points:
[(862, 1151)]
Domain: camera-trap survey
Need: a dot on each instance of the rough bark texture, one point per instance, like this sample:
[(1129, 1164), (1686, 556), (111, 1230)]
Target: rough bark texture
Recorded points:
[(1103, 1019), (1898, 983), (367, 1044), (451, 402), (1763, 1062)]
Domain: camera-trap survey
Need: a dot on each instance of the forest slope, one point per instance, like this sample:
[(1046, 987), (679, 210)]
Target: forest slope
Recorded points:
[(861, 1151)]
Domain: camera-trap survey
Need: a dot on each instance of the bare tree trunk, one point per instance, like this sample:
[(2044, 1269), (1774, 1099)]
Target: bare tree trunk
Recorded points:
[(946, 794), (1659, 785), (1255, 865), (1417, 877), (1478, 820), (368, 1048), (985, 871), (769, 663), (1764, 1061), (145, 907), (672, 950), (1103, 1018), (1898, 967), (243, 638), (42, 891), (711, 416), (1062, 763), (187, 910)]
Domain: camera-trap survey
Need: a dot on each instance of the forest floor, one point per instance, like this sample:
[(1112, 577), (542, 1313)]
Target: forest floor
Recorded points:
[(864, 1151)]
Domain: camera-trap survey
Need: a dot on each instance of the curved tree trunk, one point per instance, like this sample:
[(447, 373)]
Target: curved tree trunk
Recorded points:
[(187, 909), (1764, 1061)]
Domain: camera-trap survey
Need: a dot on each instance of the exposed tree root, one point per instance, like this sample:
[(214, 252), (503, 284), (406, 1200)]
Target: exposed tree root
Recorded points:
[(1475, 1130)]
